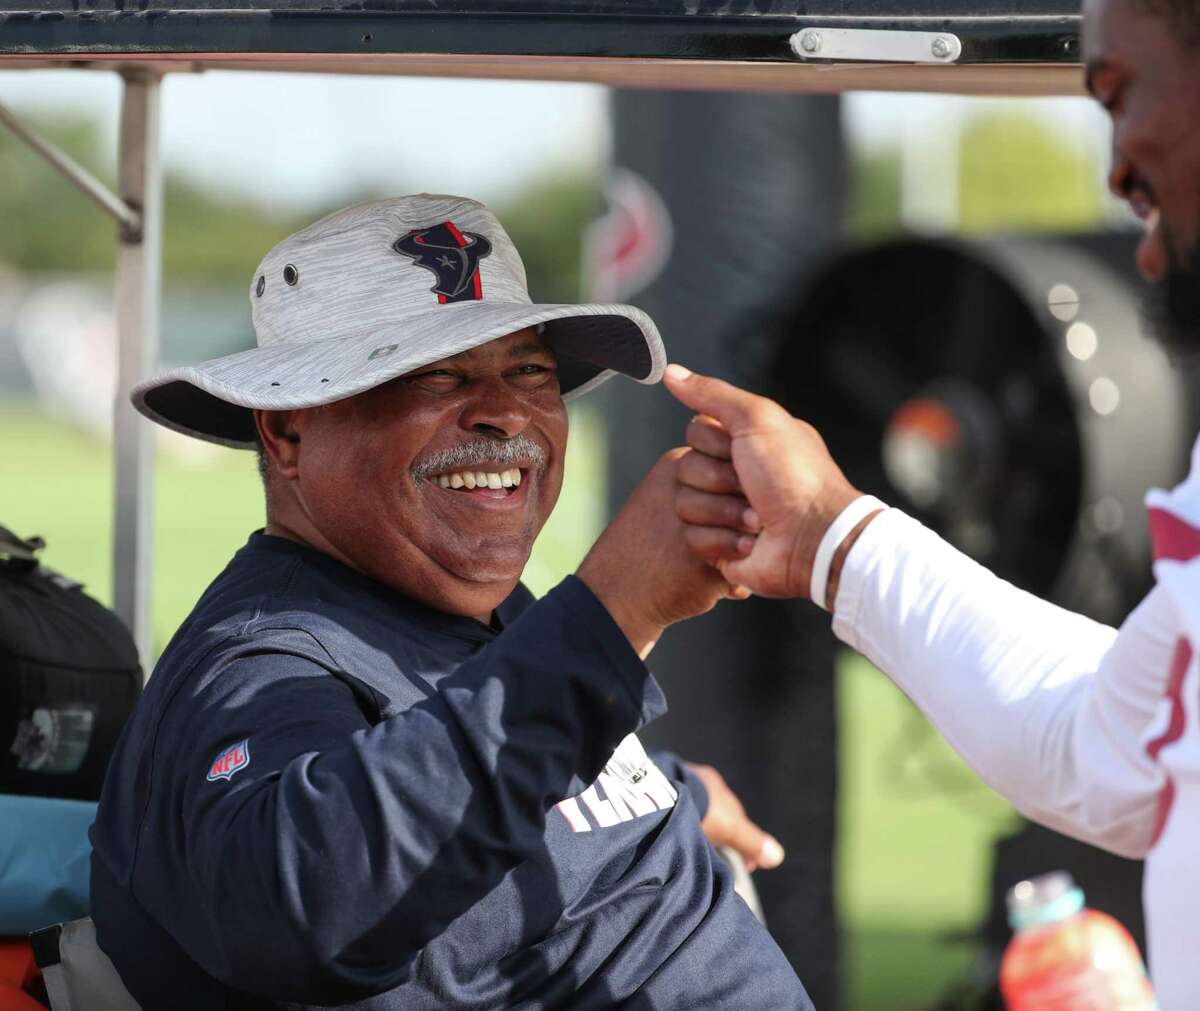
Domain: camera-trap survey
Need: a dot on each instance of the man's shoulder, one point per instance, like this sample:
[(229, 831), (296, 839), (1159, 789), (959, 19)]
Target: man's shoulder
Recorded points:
[(274, 593), (255, 645), (278, 603), (223, 660), (262, 605), (259, 599)]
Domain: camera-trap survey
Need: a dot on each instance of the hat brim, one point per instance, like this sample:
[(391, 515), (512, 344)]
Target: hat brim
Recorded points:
[(214, 400)]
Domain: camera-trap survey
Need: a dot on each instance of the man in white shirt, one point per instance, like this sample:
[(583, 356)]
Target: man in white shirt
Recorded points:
[(1089, 730)]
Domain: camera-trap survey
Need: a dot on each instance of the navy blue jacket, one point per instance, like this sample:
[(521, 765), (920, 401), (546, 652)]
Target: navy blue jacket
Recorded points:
[(332, 794)]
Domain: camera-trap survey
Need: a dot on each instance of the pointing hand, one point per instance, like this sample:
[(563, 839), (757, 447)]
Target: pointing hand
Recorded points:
[(759, 488)]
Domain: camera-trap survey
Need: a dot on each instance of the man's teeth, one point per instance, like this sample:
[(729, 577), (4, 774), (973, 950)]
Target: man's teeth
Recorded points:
[(480, 479)]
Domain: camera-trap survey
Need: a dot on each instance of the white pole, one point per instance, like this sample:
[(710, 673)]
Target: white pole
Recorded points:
[(138, 297)]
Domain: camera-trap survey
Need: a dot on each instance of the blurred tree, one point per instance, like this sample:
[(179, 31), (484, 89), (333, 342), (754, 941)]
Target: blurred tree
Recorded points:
[(49, 226), (873, 207), (546, 221), (1018, 173), (217, 237)]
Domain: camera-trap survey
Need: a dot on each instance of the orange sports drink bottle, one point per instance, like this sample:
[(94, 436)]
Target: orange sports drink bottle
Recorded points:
[(1064, 957)]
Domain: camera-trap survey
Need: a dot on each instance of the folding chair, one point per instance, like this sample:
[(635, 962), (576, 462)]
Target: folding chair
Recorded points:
[(80, 977), (77, 973)]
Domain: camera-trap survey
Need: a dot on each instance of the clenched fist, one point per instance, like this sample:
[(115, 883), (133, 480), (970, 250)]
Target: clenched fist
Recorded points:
[(758, 490), (641, 568)]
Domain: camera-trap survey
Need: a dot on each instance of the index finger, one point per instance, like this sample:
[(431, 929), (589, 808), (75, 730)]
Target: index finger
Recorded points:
[(756, 847)]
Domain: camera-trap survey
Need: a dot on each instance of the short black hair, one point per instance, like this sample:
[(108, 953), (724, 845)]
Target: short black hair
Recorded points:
[(264, 470), (1182, 15), (264, 466)]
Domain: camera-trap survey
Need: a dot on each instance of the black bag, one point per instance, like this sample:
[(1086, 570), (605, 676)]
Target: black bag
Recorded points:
[(69, 678)]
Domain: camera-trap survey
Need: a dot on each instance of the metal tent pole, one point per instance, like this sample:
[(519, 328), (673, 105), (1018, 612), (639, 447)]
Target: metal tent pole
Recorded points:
[(138, 298), (81, 178)]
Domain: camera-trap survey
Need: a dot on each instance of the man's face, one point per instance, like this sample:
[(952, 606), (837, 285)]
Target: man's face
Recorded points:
[(386, 477), (1149, 81)]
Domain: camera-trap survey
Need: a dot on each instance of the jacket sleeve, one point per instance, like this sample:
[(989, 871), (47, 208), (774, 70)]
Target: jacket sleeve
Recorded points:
[(1053, 710), (321, 867)]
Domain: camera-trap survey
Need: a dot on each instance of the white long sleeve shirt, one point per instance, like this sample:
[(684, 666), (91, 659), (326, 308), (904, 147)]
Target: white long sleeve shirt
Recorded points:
[(1089, 730)]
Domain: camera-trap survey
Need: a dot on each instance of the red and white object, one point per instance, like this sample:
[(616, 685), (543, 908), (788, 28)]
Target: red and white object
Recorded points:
[(1065, 957)]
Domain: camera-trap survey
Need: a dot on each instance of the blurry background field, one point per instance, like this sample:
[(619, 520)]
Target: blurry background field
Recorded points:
[(916, 828)]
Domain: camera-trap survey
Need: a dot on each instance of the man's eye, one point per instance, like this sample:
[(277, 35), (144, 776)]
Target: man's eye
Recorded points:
[(531, 376), (438, 380)]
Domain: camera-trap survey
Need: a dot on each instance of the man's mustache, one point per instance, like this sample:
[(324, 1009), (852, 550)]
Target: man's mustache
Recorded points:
[(519, 451)]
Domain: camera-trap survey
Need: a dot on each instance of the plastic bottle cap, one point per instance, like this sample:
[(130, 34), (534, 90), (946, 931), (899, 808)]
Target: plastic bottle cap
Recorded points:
[(1043, 899)]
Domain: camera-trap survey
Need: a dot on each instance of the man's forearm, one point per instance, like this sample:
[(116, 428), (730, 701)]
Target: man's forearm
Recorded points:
[(1040, 701)]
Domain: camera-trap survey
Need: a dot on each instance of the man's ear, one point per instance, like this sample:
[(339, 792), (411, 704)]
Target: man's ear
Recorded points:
[(280, 440)]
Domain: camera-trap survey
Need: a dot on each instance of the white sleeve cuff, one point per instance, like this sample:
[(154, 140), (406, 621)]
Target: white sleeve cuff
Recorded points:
[(841, 528), (883, 535)]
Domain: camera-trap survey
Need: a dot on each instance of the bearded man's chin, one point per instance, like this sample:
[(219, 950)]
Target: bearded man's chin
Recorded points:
[(1174, 307)]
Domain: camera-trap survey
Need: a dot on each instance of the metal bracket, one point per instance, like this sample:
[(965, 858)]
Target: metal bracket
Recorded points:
[(868, 45), (129, 218)]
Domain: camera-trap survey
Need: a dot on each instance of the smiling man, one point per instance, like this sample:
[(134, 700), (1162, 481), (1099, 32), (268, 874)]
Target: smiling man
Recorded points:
[(369, 767), (454, 468), (1143, 66), (1090, 730)]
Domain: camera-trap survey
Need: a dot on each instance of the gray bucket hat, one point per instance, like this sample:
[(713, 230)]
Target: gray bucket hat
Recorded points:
[(377, 290)]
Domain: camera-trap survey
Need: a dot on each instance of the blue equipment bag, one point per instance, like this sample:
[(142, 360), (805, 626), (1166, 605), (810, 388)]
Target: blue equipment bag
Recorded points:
[(44, 861)]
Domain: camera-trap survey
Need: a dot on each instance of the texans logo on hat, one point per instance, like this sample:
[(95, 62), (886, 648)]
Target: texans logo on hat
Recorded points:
[(452, 256)]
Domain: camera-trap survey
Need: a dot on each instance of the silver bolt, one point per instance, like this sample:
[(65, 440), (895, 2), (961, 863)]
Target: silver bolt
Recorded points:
[(810, 42), (941, 48)]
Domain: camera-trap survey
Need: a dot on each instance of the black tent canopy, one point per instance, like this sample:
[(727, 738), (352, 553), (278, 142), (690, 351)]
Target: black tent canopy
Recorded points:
[(959, 46)]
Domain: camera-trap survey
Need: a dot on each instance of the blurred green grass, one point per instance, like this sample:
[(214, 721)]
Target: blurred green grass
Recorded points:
[(913, 857), (915, 834)]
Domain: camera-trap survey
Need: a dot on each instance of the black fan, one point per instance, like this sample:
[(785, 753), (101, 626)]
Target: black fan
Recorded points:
[(995, 391)]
